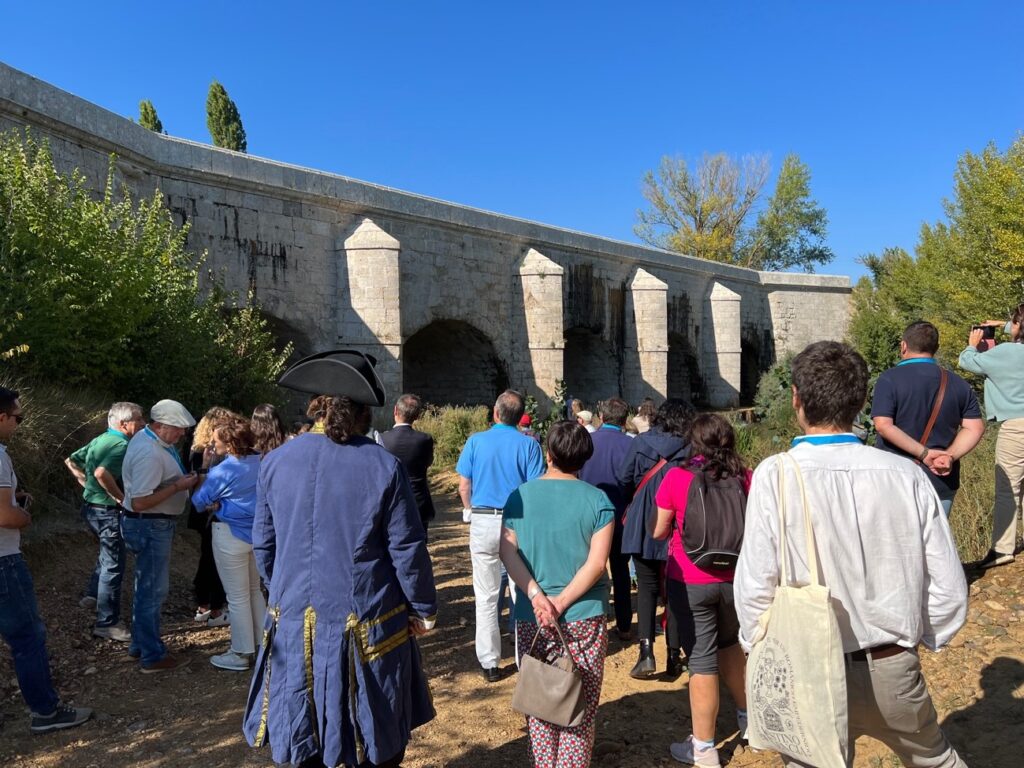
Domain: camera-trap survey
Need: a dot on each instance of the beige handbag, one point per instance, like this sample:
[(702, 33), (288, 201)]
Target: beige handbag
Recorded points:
[(551, 692), (796, 676)]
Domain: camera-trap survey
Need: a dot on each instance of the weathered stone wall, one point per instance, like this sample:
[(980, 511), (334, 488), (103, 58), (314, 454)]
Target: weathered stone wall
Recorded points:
[(452, 301)]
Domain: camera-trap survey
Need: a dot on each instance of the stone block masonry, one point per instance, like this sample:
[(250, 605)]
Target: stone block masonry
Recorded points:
[(454, 302)]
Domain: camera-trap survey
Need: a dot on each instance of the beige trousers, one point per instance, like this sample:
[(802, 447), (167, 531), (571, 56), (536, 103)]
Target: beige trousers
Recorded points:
[(1009, 474), (889, 701)]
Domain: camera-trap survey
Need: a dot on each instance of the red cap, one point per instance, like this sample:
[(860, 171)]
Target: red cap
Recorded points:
[(525, 421)]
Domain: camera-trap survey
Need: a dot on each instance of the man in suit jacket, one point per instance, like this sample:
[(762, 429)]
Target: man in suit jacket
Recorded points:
[(414, 449)]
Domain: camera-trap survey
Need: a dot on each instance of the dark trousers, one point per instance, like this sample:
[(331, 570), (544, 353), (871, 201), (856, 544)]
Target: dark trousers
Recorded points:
[(621, 582), (208, 589), (648, 588)]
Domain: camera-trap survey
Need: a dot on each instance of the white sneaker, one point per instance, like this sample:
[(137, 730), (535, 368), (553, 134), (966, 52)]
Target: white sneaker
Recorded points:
[(685, 752), (114, 632), (218, 621), (236, 662)]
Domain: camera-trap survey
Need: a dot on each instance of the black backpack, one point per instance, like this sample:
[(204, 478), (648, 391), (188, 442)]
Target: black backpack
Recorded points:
[(713, 525)]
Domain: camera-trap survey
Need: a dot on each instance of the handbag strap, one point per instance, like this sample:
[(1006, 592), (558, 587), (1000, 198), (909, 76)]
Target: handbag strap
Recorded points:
[(943, 378), (561, 637), (812, 554)]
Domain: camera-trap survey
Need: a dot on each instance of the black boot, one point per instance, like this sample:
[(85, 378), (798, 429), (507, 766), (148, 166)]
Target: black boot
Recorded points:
[(645, 667), (675, 666)]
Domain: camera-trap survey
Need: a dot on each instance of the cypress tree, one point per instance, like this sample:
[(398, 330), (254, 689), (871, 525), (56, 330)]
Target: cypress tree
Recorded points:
[(223, 120), (148, 118)]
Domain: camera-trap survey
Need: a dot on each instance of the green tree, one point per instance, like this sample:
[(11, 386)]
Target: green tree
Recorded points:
[(791, 230), (704, 213), (966, 269), (148, 117), (104, 294), (223, 120)]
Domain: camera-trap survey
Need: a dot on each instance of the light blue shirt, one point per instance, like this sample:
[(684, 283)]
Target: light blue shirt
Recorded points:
[(1004, 385), (233, 484), (497, 462)]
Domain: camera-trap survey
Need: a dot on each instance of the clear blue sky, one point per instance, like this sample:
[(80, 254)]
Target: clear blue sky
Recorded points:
[(553, 111)]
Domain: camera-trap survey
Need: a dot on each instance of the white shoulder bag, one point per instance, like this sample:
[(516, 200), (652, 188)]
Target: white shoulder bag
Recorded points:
[(796, 675)]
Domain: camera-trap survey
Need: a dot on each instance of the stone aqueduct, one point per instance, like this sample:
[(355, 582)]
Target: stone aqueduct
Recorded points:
[(456, 303)]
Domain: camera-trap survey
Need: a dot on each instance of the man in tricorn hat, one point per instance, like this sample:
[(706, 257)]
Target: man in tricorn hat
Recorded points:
[(339, 543)]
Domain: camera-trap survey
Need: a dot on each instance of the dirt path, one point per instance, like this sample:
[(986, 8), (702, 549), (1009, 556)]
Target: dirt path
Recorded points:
[(192, 716)]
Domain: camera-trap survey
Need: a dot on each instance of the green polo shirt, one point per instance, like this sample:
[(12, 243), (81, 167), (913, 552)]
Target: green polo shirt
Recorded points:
[(107, 451)]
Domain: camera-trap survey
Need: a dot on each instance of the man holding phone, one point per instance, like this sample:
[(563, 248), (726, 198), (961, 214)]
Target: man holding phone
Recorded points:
[(156, 488), (20, 625)]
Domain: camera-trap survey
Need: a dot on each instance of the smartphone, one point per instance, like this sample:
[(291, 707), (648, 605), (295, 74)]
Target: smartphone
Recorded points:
[(987, 331)]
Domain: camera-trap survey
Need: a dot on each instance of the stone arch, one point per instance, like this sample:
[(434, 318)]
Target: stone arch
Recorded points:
[(750, 366), (684, 376), (450, 362), (593, 371)]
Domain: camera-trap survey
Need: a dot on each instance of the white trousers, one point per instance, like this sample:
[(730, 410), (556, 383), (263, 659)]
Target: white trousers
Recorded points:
[(246, 606), (484, 542)]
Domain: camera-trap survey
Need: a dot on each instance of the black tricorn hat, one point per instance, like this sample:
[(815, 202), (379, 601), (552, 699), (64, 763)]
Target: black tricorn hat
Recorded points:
[(340, 372)]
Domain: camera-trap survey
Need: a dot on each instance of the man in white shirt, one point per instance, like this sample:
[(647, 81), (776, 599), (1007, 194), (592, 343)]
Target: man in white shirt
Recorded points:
[(156, 488), (885, 552)]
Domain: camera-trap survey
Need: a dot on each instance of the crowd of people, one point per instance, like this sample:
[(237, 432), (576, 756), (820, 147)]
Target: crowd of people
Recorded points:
[(313, 546)]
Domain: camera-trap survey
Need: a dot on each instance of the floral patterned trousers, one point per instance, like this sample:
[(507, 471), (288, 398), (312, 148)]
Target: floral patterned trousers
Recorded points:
[(552, 746)]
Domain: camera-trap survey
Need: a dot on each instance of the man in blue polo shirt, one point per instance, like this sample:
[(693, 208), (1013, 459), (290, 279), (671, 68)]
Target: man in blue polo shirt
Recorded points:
[(492, 465), (903, 401), (611, 444)]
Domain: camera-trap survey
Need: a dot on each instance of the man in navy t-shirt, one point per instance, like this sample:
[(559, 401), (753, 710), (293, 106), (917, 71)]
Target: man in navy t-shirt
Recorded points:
[(611, 445), (903, 402)]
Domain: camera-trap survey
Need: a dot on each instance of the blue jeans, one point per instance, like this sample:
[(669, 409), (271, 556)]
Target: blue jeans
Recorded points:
[(105, 584), (23, 630), (150, 542)]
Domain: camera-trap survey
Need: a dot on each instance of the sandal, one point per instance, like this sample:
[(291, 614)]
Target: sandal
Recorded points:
[(202, 614)]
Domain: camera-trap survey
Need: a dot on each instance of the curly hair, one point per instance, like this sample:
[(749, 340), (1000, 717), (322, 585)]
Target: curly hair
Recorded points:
[(674, 417), (342, 418), (203, 435), (267, 428), (237, 434)]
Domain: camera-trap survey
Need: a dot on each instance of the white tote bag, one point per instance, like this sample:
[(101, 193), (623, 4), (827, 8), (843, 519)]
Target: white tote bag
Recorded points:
[(796, 676)]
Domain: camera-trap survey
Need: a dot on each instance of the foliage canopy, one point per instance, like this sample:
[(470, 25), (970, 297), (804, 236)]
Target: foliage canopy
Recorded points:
[(965, 270), (704, 213), (223, 120), (102, 293), (148, 117)]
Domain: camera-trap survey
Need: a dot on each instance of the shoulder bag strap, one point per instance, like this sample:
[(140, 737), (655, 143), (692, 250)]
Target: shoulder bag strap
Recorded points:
[(943, 378), (650, 473), (812, 553)]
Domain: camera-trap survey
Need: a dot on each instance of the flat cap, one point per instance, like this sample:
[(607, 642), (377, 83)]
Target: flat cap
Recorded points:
[(172, 413)]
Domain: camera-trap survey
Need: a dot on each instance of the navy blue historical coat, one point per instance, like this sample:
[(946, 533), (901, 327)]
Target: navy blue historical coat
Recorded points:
[(340, 546)]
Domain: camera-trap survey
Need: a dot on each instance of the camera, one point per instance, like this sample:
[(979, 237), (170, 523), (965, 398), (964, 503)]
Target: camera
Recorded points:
[(987, 331)]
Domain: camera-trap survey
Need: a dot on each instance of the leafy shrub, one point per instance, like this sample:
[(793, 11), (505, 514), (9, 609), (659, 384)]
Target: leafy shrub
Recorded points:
[(109, 299), (450, 427)]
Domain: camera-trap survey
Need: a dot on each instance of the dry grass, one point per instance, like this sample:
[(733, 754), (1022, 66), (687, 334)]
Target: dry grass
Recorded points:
[(57, 422)]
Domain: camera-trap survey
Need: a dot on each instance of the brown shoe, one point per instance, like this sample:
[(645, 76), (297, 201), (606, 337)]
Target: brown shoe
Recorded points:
[(166, 664)]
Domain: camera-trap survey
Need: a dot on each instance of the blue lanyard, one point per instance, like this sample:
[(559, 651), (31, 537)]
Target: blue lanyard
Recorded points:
[(844, 437), (609, 426), (910, 360), (168, 448)]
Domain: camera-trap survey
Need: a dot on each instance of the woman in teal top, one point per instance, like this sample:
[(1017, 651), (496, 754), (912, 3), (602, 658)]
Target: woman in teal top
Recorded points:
[(556, 536), (1003, 369)]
